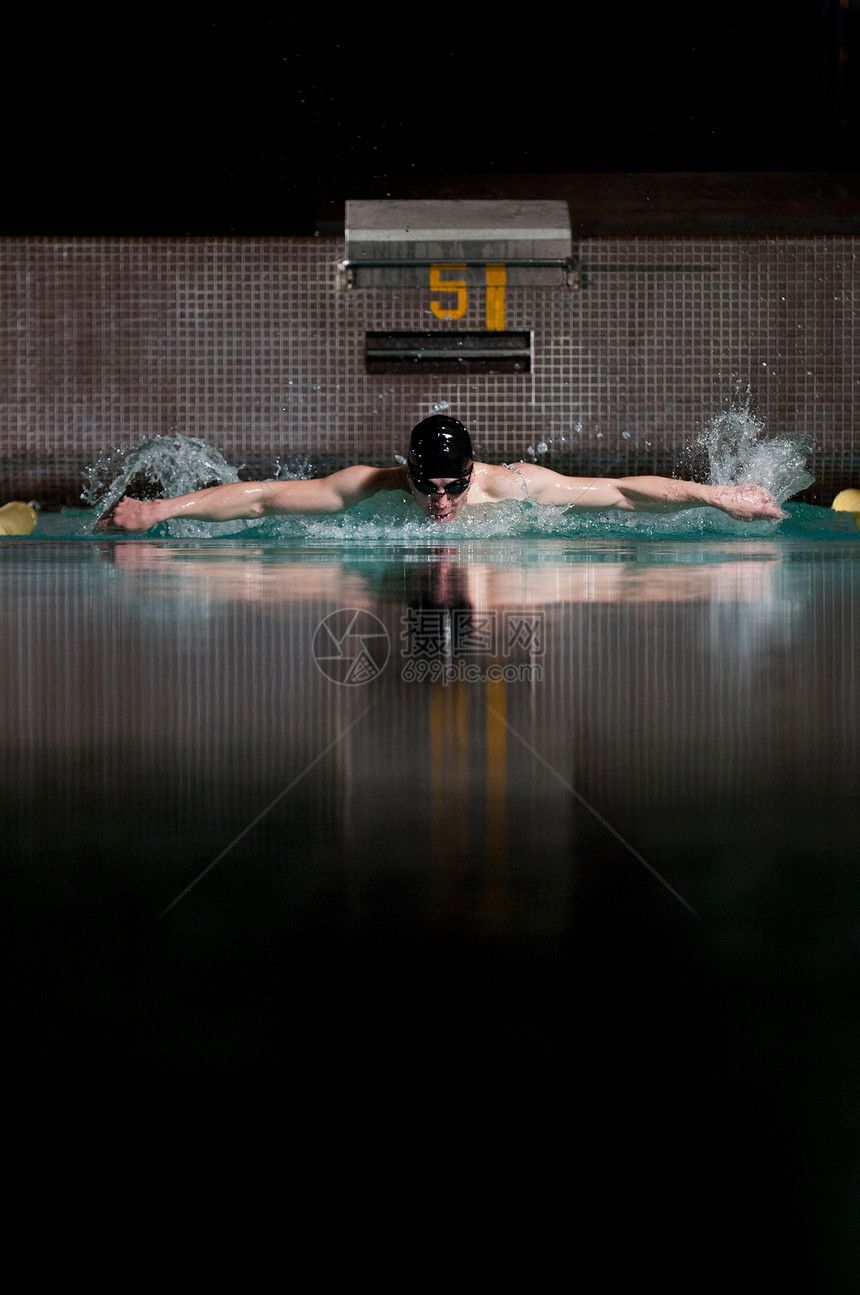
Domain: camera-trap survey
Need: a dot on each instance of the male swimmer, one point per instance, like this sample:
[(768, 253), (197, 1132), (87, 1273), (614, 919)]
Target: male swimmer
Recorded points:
[(442, 477)]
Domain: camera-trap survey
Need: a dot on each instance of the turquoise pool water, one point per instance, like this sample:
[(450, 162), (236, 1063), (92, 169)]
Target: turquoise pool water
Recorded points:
[(505, 856)]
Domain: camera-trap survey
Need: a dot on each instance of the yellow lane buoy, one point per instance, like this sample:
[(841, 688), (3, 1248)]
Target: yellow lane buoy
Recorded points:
[(848, 501), (17, 518)]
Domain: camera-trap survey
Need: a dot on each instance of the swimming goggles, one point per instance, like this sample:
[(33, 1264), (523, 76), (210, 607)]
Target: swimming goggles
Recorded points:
[(425, 486)]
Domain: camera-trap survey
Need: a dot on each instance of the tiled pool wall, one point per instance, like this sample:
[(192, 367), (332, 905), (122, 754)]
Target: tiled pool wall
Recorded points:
[(255, 345)]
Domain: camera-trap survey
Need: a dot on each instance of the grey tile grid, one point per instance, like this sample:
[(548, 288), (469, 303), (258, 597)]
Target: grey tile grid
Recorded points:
[(251, 344)]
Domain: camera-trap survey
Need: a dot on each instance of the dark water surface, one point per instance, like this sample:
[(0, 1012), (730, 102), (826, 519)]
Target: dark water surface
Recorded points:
[(494, 905)]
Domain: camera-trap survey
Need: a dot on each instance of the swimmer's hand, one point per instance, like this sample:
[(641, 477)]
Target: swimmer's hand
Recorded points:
[(746, 503), (128, 515)]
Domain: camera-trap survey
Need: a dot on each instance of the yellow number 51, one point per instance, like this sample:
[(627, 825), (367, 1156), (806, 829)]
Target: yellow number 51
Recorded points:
[(496, 280)]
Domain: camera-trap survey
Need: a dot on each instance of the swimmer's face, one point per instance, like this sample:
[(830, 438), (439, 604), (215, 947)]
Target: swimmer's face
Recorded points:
[(434, 499)]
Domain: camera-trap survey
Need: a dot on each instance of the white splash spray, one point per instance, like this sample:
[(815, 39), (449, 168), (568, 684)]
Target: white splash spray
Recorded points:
[(739, 450), (160, 467)]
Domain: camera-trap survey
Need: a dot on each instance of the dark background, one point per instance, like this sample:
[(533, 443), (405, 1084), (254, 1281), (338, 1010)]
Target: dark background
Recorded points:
[(171, 123)]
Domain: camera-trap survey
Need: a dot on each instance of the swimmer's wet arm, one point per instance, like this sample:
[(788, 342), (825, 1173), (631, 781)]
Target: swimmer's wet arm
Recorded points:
[(332, 494), (648, 494), (248, 499), (745, 502), (546, 486), (661, 494)]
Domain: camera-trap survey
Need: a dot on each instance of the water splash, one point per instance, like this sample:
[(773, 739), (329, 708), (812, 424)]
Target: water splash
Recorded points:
[(389, 519), (298, 467), (738, 450), (159, 467)]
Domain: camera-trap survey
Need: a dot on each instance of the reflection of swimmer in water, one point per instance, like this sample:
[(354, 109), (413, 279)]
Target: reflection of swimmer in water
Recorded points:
[(440, 610), (442, 477)]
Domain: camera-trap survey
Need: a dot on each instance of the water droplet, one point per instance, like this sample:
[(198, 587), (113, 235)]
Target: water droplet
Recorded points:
[(440, 405), (542, 447), (625, 436)]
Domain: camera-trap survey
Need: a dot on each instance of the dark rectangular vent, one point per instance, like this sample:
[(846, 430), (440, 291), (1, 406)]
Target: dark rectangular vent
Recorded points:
[(439, 352)]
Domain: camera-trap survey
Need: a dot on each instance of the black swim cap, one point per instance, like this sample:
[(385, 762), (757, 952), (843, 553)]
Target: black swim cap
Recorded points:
[(440, 447)]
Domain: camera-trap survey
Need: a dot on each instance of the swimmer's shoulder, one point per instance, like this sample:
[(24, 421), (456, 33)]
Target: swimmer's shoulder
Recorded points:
[(361, 481), (389, 479), (493, 482)]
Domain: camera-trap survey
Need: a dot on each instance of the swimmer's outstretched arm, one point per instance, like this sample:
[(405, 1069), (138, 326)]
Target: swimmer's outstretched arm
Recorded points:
[(666, 495), (644, 494), (250, 499)]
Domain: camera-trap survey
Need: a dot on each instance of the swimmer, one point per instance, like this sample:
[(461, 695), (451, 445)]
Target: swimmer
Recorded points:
[(442, 477)]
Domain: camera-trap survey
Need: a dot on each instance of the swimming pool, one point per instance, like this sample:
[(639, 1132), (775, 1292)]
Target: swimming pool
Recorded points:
[(545, 844)]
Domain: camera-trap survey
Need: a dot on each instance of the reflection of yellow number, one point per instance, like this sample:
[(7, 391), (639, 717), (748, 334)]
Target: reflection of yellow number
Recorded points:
[(496, 279), (449, 285)]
